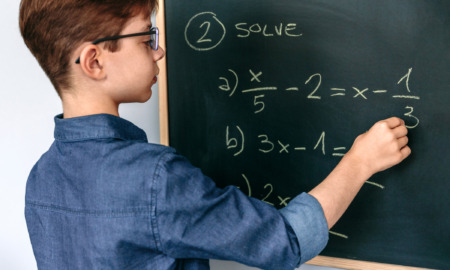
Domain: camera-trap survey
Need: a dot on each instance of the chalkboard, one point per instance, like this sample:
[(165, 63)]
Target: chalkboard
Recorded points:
[(269, 95)]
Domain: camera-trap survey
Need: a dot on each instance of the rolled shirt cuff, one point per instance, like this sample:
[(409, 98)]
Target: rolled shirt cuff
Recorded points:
[(306, 217)]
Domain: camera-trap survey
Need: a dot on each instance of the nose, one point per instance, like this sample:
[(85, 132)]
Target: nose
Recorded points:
[(159, 54)]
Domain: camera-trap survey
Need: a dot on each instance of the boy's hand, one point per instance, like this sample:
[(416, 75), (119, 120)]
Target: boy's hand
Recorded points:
[(381, 147)]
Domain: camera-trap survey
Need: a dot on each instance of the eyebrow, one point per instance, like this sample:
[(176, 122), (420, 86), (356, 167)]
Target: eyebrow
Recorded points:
[(147, 28)]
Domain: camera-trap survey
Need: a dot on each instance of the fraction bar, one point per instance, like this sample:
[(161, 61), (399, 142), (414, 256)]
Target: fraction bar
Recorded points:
[(260, 89), (411, 97)]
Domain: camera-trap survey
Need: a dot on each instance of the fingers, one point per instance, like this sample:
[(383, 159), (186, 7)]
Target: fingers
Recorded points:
[(394, 122), (405, 151), (400, 131), (389, 142), (402, 142)]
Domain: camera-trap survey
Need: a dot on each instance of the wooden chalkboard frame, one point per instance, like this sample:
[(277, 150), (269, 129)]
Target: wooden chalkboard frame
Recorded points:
[(164, 140)]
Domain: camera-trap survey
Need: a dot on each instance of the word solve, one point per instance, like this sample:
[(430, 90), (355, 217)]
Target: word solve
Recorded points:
[(204, 31)]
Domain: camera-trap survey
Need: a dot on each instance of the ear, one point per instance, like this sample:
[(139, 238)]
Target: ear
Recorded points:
[(91, 62)]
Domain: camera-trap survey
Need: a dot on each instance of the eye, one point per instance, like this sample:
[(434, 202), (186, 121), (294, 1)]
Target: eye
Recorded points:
[(148, 42)]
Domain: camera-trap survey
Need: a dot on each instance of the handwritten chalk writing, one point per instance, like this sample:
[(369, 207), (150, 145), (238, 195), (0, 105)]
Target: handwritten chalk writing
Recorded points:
[(321, 141), (340, 93), (233, 142), (255, 77), (259, 102), (406, 80), (260, 89), (266, 141), (379, 91), (266, 196), (284, 201), (409, 114), (317, 87), (340, 154), (270, 187), (360, 92), (374, 184), (339, 234), (266, 145), (248, 185), (315, 93), (404, 96), (288, 30), (202, 39), (198, 31), (226, 87), (204, 31), (284, 147)]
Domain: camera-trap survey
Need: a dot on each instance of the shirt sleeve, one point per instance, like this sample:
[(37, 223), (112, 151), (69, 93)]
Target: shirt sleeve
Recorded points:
[(192, 218), (305, 214)]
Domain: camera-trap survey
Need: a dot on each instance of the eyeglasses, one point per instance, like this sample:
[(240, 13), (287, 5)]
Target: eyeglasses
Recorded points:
[(153, 42)]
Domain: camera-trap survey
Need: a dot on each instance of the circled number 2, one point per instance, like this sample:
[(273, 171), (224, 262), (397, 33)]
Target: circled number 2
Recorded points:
[(202, 39)]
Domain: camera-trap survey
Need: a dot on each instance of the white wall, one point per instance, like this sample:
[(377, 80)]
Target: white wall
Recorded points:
[(28, 104)]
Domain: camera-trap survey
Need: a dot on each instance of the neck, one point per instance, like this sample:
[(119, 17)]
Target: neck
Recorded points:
[(80, 105)]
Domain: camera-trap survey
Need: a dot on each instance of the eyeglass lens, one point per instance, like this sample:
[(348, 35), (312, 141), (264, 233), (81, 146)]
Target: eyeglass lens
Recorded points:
[(154, 39)]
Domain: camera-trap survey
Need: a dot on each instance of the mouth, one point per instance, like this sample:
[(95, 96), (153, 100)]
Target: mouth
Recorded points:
[(155, 79)]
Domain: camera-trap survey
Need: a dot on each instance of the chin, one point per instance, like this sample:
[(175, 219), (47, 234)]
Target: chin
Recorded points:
[(147, 97)]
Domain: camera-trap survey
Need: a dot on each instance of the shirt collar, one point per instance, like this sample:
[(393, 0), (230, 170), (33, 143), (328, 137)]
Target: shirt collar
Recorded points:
[(98, 126)]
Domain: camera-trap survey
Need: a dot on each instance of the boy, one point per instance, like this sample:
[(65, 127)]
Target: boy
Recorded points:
[(103, 198)]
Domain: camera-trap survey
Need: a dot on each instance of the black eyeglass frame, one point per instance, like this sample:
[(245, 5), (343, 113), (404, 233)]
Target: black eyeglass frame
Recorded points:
[(154, 44)]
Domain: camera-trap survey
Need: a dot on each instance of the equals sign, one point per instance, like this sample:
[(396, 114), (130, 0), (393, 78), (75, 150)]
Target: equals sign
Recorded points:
[(339, 149), (338, 90)]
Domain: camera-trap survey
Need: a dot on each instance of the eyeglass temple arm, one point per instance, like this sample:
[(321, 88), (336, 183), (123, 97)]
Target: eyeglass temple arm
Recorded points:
[(95, 42)]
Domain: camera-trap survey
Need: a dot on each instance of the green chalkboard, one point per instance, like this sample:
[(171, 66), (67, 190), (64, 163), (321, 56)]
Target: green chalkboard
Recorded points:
[(268, 95)]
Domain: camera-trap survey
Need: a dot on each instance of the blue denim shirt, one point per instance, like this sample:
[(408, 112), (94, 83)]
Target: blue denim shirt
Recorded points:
[(102, 197)]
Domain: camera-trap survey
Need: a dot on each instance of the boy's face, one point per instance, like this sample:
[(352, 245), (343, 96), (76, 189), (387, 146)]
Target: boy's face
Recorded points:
[(132, 70)]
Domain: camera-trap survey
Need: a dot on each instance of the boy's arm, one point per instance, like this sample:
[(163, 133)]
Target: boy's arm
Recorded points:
[(380, 148)]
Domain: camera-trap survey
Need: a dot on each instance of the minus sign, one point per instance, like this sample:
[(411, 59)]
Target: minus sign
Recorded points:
[(292, 89), (380, 91), (300, 148)]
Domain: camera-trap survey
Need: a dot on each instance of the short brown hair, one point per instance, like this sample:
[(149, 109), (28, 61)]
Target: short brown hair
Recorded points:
[(52, 29)]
